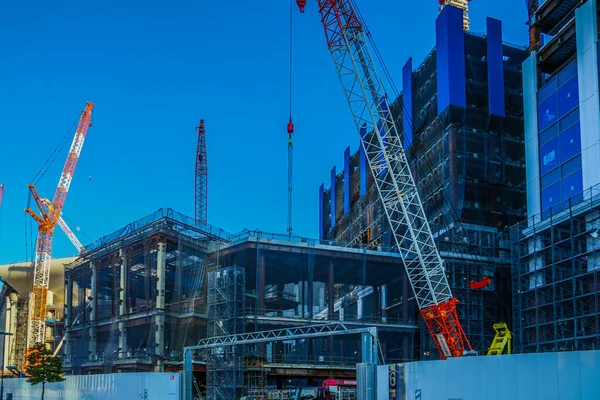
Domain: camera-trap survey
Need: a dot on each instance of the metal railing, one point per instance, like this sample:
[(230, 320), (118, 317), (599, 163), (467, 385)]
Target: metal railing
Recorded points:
[(260, 235)]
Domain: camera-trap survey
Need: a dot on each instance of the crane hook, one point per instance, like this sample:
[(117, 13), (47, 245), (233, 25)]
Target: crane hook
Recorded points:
[(301, 5)]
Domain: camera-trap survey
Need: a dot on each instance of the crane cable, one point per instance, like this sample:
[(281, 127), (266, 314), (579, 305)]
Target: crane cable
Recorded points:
[(291, 41), (290, 129), (55, 153)]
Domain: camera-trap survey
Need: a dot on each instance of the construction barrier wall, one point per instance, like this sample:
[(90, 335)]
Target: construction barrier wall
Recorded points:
[(545, 376), (143, 386)]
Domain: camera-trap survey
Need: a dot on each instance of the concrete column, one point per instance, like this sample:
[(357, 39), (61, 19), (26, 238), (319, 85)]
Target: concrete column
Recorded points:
[(406, 294), (310, 291), (369, 347), (68, 317), (375, 305), (159, 318), (261, 284), (383, 301), (187, 374), (530, 118), (331, 292), (92, 348), (123, 304), (359, 308)]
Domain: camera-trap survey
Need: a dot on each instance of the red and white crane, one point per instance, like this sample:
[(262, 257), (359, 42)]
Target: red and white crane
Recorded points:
[(380, 138), (47, 219)]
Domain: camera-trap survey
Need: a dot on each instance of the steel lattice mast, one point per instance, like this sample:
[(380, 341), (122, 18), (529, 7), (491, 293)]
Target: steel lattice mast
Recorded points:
[(47, 220), (365, 93), (201, 192)]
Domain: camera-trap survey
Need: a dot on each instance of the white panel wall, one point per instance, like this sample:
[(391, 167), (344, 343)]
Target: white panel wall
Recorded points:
[(142, 386), (532, 157), (544, 376)]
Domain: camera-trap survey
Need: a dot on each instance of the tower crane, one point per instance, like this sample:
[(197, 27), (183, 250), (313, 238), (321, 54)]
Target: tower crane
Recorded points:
[(380, 138), (47, 219)]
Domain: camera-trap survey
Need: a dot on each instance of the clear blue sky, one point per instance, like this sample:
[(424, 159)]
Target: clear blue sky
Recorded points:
[(153, 68)]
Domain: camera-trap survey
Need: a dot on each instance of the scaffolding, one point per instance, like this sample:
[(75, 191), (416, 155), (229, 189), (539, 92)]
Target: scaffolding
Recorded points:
[(225, 365), (556, 278)]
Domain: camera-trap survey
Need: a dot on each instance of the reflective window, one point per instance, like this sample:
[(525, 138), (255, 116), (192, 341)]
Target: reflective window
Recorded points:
[(568, 97), (551, 196), (571, 186), (546, 91), (547, 112), (571, 166), (567, 73), (570, 143), (549, 156), (548, 134), (569, 119), (550, 178)]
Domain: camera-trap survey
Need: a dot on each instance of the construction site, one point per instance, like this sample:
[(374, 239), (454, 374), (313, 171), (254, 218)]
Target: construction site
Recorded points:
[(457, 253)]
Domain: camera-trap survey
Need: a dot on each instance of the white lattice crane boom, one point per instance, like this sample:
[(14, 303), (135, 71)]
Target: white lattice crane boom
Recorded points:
[(65, 228), (381, 141)]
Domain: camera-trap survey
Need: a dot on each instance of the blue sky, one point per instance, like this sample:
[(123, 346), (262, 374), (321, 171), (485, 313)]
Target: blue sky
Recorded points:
[(154, 68)]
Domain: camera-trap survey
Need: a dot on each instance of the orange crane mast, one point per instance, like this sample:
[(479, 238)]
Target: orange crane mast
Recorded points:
[(48, 219)]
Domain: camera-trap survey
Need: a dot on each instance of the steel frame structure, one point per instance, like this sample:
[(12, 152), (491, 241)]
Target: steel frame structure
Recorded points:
[(201, 184), (380, 139), (370, 343)]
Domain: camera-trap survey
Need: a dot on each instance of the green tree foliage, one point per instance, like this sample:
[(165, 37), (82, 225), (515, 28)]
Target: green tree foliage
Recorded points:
[(42, 367)]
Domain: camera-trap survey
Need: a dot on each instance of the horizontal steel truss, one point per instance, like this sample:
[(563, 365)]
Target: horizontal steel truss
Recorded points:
[(370, 343), (303, 332)]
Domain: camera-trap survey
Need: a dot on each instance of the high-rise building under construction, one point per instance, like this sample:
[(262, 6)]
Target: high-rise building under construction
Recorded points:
[(461, 116), (556, 269)]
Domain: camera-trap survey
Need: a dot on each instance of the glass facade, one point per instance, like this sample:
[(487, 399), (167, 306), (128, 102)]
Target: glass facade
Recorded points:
[(560, 141)]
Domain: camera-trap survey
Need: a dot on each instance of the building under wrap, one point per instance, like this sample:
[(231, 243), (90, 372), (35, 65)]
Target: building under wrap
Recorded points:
[(460, 112)]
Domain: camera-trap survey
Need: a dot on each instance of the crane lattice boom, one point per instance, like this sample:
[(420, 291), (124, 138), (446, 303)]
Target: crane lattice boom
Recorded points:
[(387, 160), (47, 220), (201, 195)]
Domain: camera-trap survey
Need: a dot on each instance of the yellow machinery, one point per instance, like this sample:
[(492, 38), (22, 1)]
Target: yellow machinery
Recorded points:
[(501, 341)]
